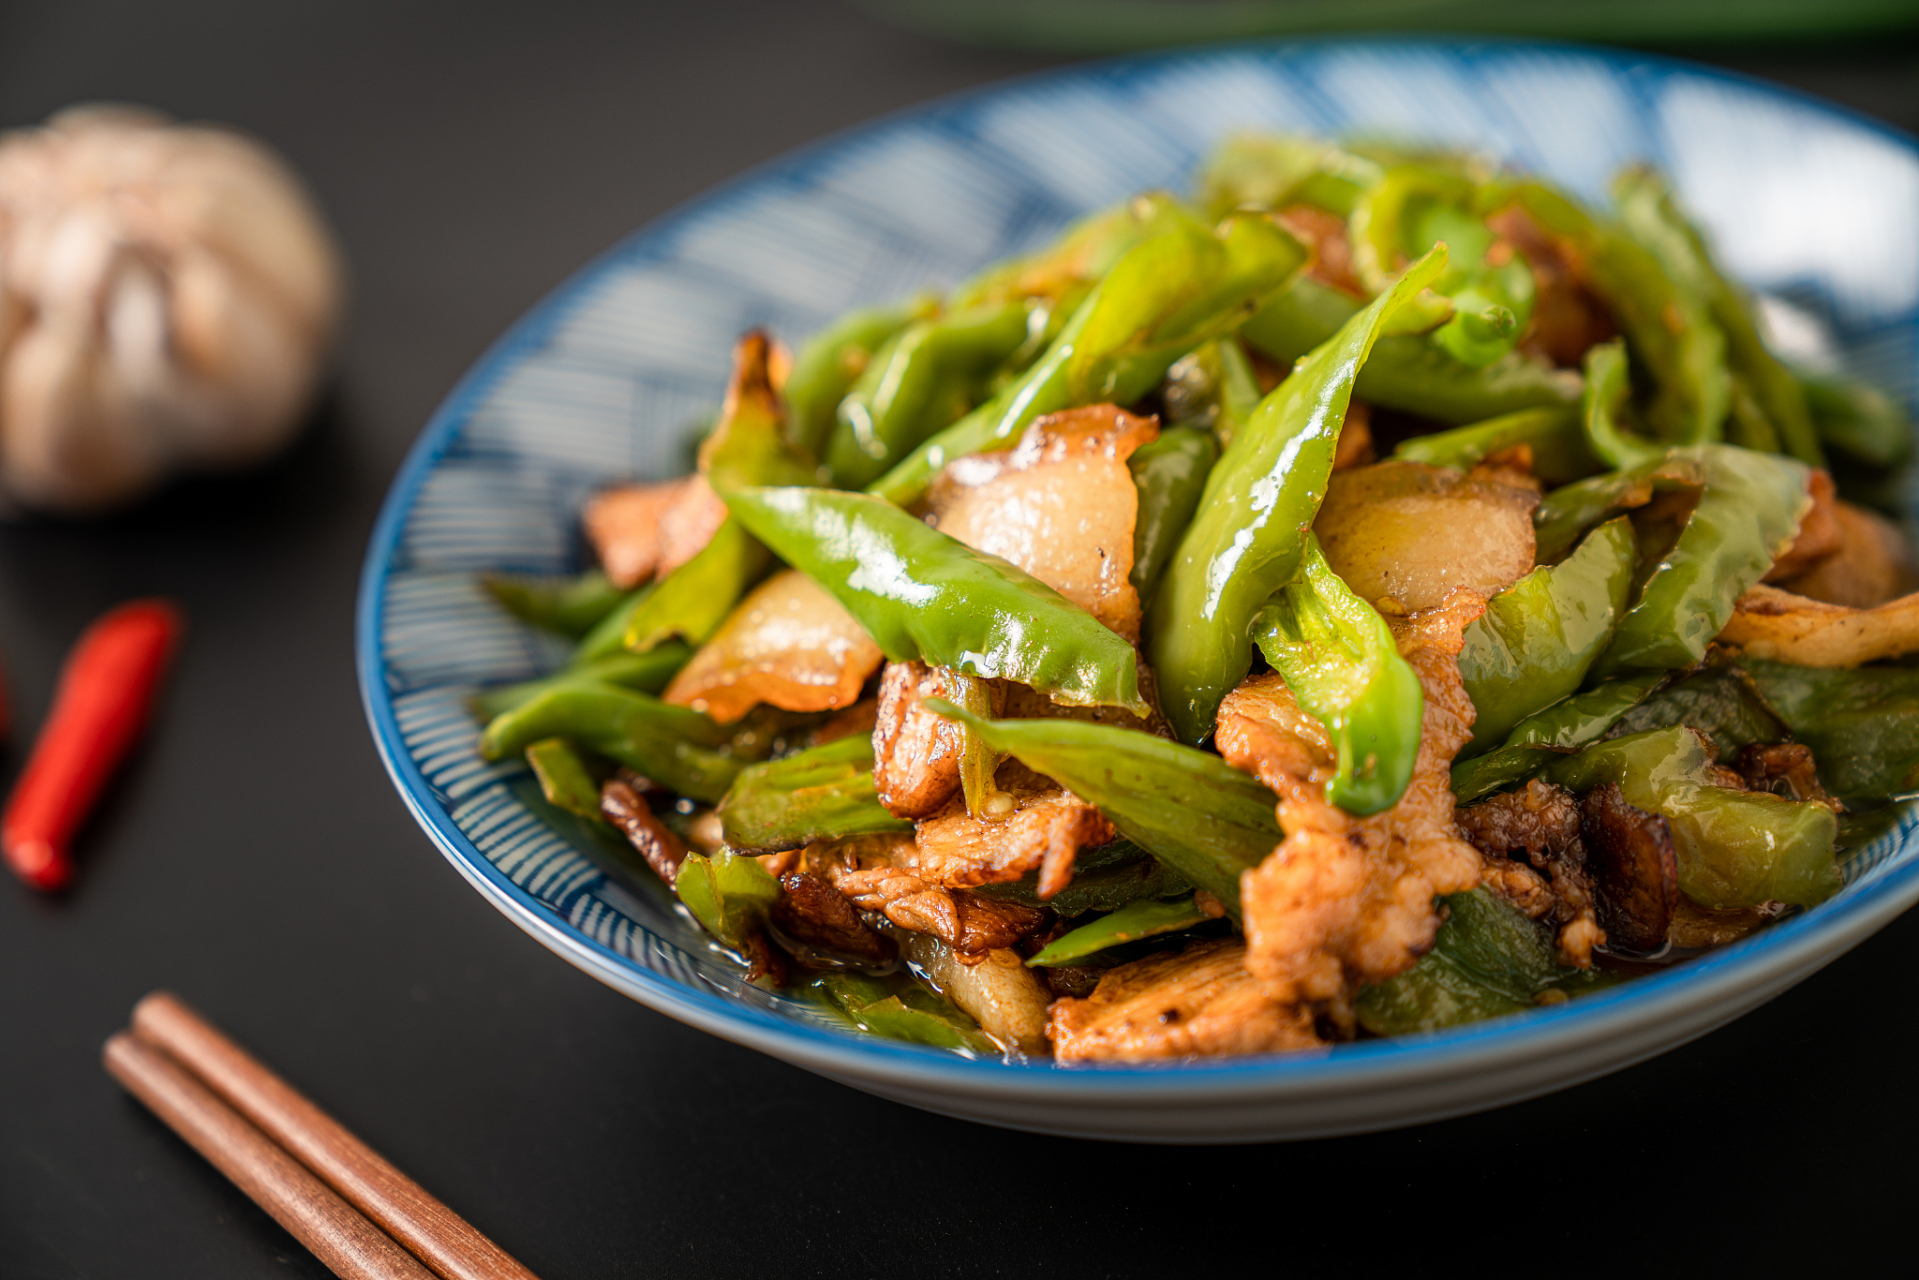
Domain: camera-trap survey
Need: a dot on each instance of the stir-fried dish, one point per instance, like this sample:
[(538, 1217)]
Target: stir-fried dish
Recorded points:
[(1374, 594)]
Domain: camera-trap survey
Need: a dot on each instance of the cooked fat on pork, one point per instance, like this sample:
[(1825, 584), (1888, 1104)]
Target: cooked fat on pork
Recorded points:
[(1201, 1001), (1061, 505)]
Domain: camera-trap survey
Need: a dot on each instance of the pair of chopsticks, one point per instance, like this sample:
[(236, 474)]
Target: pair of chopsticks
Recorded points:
[(358, 1214)]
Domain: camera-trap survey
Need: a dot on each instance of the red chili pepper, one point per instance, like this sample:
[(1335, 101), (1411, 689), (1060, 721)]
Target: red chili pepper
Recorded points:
[(105, 692)]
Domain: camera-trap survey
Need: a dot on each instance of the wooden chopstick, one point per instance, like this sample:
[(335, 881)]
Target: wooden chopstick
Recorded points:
[(337, 1233), (438, 1237)]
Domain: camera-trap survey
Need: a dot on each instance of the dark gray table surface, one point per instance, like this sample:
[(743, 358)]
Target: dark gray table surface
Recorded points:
[(255, 859)]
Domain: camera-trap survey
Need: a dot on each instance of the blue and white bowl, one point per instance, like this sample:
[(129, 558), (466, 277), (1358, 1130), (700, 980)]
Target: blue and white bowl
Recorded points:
[(1812, 205)]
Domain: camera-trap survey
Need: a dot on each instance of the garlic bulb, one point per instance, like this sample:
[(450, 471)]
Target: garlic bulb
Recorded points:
[(168, 297)]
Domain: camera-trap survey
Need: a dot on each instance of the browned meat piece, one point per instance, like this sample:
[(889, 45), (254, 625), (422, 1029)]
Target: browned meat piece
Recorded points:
[(1200, 1002), (789, 644), (971, 925), (1871, 564), (1061, 505), (765, 966), (1568, 316), (1076, 980), (1635, 873), (1414, 532), (1046, 828), (1785, 769), (1820, 534), (1522, 887), (1769, 623), (1543, 823), (622, 805), (916, 754), (813, 912), (643, 530), (860, 718), (1324, 235), (1539, 821), (1355, 448), (1344, 902)]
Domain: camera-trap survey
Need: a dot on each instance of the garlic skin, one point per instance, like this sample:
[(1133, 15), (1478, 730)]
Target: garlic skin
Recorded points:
[(168, 300)]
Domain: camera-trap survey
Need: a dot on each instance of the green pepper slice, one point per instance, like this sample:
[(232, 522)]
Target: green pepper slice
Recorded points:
[(1748, 514), (1735, 848), (1487, 961), (930, 373), (1104, 879), (1668, 325), (900, 1007), (1602, 408), (674, 746), (1268, 171), (1539, 637), (1130, 923), (1722, 702), (1767, 403), (564, 778), (1250, 534), (730, 894), (1165, 297), (1170, 475), (648, 672), (823, 793), (1858, 420), (1862, 723), (1559, 449), (923, 594), (829, 363), (1203, 818), (568, 606), (1542, 737), (1338, 657)]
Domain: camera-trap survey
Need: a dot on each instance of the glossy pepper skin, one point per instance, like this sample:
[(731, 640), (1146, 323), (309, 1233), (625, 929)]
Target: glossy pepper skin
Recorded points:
[(729, 893), (564, 778), (1407, 370), (1735, 848), (1339, 659), (1669, 327), (1748, 513), (1487, 961), (822, 793), (568, 606), (674, 746), (648, 672), (1085, 251), (1250, 534), (1417, 205), (1859, 421), (1862, 723), (1170, 475), (1767, 405), (1269, 171), (828, 365), (1200, 816), (899, 1007), (1602, 408), (930, 373), (922, 594), (1565, 514), (1548, 735), (1135, 920), (1104, 879), (1539, 637), (749, 446), (108, 686), (1560, 452), (1165, 297)]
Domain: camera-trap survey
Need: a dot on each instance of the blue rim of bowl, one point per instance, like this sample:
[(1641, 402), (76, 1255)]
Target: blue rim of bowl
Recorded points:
[(1805, 941)]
